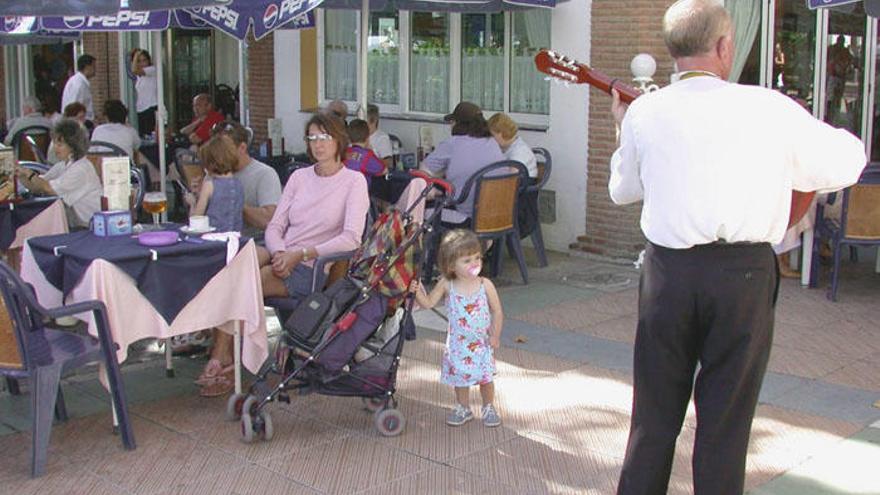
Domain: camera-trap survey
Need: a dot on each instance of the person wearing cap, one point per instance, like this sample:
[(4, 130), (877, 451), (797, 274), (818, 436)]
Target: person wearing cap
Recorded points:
[(470, 148)]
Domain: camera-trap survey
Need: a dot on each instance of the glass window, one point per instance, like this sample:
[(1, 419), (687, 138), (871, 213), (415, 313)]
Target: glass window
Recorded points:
[(530, 31), (795, 51), (429, 62), (340, 55), (482, 60), (383, 58), (875, 139), (844, 76)]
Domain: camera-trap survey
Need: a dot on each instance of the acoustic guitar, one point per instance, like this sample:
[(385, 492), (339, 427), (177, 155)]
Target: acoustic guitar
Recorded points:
[(566, 69)]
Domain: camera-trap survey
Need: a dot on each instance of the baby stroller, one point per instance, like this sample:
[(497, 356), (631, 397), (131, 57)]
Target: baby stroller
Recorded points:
[(347, 340)]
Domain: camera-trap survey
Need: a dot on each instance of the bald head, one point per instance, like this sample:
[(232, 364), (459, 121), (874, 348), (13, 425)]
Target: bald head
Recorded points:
[(693, 27), (202, 104)]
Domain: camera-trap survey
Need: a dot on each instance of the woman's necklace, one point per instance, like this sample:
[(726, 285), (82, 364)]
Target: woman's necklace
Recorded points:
[(696, 73)]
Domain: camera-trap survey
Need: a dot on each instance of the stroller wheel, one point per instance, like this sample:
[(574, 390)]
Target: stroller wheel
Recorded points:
[(247, 428), (233, 406), (268, 430), (389, 422), (373, 404)]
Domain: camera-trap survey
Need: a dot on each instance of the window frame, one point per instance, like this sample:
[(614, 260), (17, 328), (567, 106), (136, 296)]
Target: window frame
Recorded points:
[(403, 107)]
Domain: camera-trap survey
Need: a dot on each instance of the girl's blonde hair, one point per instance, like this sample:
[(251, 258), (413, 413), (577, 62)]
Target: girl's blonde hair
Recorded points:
[(501, 123), (219, 155), (455, 244)]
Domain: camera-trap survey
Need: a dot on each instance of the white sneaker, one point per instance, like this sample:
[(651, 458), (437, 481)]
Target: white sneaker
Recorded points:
[(490, 416), (459, 415)]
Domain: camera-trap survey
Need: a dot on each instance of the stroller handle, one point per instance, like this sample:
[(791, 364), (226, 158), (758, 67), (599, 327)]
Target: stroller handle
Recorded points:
[(433, 181)]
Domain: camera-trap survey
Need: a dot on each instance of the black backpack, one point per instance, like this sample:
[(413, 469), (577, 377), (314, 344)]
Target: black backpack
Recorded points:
[(318, 311)]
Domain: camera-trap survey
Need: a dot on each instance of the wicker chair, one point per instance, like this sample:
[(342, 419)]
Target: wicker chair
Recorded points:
[(859, 225)]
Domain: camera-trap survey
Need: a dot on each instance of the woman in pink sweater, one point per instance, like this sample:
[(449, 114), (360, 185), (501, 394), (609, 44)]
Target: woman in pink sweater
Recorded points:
[(322, 211)]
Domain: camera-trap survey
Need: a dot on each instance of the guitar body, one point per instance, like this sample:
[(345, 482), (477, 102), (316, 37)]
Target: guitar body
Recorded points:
[(567, 69)]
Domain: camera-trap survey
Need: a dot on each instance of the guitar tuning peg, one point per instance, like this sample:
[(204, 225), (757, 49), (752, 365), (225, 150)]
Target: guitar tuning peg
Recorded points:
[(565, 83), (548, 78)]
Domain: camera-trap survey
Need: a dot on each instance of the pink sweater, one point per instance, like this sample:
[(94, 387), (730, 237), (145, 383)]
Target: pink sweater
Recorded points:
[(325, 213)]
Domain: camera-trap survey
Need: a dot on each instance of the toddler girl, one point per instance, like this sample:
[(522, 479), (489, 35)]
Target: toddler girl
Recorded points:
[(475, 321), (221, 196)]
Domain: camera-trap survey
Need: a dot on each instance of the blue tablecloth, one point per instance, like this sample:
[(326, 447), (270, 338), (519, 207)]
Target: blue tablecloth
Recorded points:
[(169, 283), (14, 215)]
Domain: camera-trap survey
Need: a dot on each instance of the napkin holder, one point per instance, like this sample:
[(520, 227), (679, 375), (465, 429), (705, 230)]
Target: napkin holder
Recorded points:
[(111, 223)]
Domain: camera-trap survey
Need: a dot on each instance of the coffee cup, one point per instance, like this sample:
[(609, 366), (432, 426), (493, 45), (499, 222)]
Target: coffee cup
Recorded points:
[(199, 222)]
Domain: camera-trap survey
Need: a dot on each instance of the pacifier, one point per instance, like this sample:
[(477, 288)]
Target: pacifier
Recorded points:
[(475, 270)]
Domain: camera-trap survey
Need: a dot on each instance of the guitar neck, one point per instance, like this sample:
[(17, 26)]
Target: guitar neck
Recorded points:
[(569, 70)]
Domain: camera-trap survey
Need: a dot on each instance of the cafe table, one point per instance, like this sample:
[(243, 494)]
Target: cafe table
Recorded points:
[(152, 291), (30, 217)]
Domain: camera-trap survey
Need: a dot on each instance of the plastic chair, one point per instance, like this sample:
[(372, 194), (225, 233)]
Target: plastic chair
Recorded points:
[(30, 350), (396, 146), (859, 225), (496, 190), (545, 168), (32, 143)]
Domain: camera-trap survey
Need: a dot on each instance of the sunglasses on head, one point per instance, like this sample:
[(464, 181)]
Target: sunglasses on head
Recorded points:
[(224, 126), (318, 137)]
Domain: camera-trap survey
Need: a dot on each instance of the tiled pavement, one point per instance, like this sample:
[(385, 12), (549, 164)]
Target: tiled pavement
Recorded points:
[(564, 391)]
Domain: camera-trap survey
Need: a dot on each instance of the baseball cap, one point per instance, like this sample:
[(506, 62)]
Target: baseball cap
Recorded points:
[(464, 112)]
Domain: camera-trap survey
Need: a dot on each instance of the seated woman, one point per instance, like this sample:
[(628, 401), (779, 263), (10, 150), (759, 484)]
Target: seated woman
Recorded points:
[(322, 211), (73, 178), (470, 148), (505, 132)]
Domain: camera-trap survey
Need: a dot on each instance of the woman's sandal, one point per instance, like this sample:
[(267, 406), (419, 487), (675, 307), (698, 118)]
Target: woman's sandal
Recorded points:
[(213, 370), (220, 385)]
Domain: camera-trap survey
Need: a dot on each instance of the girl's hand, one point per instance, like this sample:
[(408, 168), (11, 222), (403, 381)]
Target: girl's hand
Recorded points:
[(495, 341), (283, 263)]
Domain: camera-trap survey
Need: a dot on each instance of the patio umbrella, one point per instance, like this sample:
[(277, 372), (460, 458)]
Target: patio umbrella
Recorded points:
[(92, 7)]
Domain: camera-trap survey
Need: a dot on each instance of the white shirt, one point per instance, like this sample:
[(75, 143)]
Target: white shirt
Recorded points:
[(716, 161), (380, 142), (121, 135), (147, 88), (78, 186), (520, 151), (78, 89)]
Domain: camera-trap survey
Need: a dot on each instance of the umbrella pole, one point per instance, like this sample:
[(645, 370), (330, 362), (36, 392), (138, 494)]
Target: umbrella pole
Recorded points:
[(160, 113), (243, 106), (364, 38)]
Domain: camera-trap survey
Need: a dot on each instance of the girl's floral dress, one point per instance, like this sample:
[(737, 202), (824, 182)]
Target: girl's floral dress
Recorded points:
[(468, 358)]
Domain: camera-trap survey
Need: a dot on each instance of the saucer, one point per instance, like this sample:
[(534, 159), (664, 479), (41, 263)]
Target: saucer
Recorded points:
[(187, 230), (158, 238)]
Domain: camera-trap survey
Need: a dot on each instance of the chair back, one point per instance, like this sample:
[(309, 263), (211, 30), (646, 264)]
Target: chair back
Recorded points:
[(496, 191), (545, 167), (32, 143), (396, 146), (40, 168), (106, 148), (861, 214), (16, 320)]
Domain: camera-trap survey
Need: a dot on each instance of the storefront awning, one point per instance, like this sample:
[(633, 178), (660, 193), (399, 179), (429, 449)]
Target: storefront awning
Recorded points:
[(93, 7)]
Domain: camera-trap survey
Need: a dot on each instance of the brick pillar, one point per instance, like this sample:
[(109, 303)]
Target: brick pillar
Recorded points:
[(620, 30), (261, 84), (105, 85)]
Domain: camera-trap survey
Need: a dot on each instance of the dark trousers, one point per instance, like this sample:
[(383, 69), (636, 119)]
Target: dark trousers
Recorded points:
[(711, 305), (147, 121)]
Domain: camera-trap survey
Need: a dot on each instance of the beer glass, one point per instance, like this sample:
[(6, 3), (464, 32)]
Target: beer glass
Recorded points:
[(155, 202)]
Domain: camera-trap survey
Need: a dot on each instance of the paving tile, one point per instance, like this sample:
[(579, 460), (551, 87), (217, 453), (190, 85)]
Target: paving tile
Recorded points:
[(201, 413), (442, 480), (845, 341), (67, 479), (806, 364), (539, 295), (831, 401), (570, 315), (350, 413), (778, 384), (544, 466), (429, 437), (292, 433), (250, 480), (368, 463), (622, 329), (863, 374), (16, 463)]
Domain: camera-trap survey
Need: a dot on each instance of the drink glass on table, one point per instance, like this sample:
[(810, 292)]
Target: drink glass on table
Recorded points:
[(155, 202)]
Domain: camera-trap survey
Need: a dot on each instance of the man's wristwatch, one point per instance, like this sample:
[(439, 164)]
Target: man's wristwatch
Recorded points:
[(305, 254), (31, 177)]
